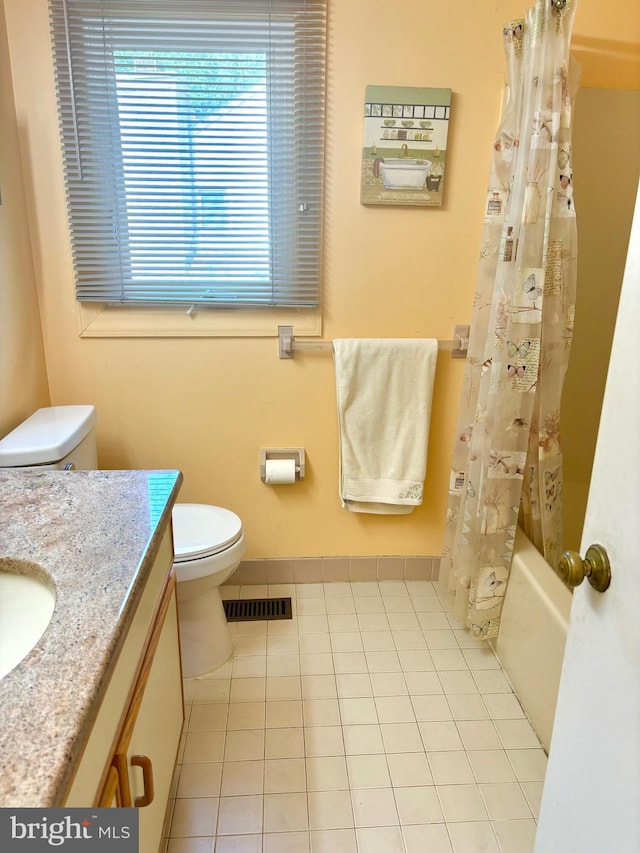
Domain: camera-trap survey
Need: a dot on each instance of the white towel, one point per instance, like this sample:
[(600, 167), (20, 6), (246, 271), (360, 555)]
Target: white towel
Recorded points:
[(384, 389)]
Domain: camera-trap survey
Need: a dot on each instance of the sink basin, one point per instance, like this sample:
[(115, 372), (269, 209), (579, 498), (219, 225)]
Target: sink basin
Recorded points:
[(27, 601)]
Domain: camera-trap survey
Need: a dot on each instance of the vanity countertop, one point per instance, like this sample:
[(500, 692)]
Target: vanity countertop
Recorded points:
[(96, 533)]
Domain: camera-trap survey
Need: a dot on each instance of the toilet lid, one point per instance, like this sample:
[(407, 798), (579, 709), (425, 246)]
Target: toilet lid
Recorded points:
[(200, 530)]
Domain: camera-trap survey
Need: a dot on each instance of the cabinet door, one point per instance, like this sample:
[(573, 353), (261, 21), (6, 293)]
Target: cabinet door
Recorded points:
[(147, 752), (110, 796)]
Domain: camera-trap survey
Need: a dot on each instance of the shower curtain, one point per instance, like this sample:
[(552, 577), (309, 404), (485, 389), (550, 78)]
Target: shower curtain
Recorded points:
[(506, 458)]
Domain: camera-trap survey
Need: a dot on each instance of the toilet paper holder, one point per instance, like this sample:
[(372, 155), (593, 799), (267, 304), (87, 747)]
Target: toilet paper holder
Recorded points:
[(295, 453)]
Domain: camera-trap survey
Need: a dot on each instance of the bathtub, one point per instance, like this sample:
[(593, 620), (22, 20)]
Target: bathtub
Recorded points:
[(533, 631), (404, 173)]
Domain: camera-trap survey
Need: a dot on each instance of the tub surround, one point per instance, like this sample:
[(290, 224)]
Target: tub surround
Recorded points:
[(96, 534), (533, 632)]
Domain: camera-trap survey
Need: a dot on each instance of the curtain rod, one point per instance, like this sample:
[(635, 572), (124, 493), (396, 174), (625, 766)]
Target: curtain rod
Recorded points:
[(288, 345)]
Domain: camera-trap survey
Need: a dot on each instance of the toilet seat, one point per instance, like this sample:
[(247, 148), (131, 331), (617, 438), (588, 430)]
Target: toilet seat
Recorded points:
[(202, 530)]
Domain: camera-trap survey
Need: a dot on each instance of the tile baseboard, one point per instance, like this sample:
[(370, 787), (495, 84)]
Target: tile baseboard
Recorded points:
[(335, 569)]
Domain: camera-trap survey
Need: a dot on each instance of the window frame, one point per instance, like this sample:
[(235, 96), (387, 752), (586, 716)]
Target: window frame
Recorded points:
[(188, 317)]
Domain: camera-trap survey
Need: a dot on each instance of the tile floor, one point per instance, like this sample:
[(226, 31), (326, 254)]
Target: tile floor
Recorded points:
[(369, 723)]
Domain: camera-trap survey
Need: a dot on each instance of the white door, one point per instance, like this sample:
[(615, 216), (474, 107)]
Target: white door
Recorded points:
[(591, 798)]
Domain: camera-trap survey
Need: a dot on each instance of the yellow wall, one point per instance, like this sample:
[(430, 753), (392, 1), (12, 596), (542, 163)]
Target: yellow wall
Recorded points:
[(206, 406), (606, 183), (23, 375)]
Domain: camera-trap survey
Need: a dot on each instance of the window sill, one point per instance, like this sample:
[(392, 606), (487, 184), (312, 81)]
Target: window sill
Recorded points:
[(101, 321)]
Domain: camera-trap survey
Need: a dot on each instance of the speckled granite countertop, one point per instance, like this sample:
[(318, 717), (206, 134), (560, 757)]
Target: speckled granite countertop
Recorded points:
[(96, 533)]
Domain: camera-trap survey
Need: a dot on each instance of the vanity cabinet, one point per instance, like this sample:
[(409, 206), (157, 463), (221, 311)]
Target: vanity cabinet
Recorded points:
[(129, 757)]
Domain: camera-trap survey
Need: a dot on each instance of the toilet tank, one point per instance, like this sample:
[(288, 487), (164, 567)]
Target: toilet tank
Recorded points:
[(55, 437)]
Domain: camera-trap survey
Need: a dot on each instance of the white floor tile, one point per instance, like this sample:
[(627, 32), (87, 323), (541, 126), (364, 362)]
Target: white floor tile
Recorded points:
[(409, 769), (372, 722), (282, 645), (368, 771), (517, 734), (349, 662), (240, 815), (329, 810), (249, 666), (245, 745), (533, 793), (284, 714), (461, 803), (468, 706), (239, 844), (321, 712), (333, 841), (248, 689), (323, 740), (394, 709), (374, 807), (362, 740), (491, 765), (380, 839), (286, 842), (283, 665), (505, 800), (195, 816), (204, 746), (200, 780), (418, 805), (530, 765), (312, 644), (440, 736), (473, 837), (208, 718), (316, 664), (284, 743), (478, 734), (432, 708), (349, 641), (401, 737), (327, 773), (285, 812), (355, 712), (190, 845), (319, 687), (450, 768), (433, 838), (245, 715), (242, 777), (340, 606), (515, 836), (353, 685), (503, 706), (284, 776), (388, 684), (410, 639)]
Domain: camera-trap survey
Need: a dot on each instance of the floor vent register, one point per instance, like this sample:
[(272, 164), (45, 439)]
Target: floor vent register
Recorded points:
[(253, 609)]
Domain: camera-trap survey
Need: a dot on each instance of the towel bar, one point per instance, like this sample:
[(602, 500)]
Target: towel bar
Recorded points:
[(288, 345)]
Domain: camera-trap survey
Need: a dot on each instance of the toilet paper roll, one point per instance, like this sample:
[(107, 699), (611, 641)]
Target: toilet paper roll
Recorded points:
[(280, 471)]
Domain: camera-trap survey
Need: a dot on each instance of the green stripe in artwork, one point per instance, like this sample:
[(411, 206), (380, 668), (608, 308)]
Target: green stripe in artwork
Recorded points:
[(408, 95)]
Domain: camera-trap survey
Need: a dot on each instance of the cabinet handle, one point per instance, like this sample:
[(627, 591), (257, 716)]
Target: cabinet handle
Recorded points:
[(144, 762)]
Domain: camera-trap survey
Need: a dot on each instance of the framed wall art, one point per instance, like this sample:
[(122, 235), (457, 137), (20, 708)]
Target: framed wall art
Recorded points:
[(404, 146)]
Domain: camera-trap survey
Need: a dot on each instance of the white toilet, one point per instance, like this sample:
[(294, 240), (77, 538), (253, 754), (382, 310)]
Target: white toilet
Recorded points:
[(59, 437), (208, 544), (208, 541)]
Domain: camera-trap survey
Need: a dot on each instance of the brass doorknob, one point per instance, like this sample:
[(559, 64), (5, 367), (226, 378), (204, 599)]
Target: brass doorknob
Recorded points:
[(595, 566)]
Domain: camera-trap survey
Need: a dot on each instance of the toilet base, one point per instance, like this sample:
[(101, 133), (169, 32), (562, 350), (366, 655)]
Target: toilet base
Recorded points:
[(205, 639)]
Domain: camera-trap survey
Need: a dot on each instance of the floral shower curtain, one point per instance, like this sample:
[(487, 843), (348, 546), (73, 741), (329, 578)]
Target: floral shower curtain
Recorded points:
[(506, 456)]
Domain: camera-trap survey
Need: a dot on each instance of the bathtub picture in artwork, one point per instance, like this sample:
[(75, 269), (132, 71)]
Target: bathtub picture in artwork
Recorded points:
[(404, 145)]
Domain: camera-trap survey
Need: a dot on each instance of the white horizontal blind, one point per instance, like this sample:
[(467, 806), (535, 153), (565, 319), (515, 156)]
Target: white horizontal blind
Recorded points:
[(193, 138)]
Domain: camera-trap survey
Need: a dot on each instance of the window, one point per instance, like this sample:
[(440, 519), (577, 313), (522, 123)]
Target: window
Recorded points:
[(192, 135)]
